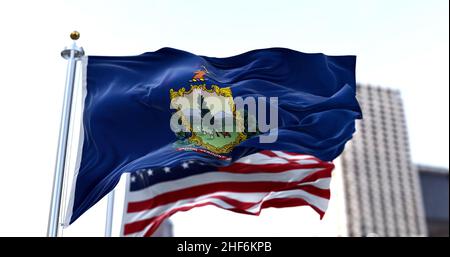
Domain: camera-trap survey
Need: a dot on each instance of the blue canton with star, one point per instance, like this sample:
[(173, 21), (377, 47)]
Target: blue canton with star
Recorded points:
[(147, 177)]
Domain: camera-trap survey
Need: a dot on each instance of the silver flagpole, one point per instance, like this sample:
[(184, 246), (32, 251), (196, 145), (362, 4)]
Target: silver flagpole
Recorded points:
[(72, 54), (109, 214)]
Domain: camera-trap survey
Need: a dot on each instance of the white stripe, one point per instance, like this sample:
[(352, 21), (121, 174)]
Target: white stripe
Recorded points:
[(166, 208), (293, 157), (146, 214), (304, 162), (250, 197), (218, 176), (300, 159), (319, 202), (322, 183), (261, 159)]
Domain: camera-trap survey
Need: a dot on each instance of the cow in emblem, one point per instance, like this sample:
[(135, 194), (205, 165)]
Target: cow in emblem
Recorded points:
[(202, 99)]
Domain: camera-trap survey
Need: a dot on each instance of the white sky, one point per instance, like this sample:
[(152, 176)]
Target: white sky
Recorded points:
[(399, 44)]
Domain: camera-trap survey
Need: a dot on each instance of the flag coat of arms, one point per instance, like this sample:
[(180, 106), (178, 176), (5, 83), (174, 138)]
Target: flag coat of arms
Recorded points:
[(290, 115)]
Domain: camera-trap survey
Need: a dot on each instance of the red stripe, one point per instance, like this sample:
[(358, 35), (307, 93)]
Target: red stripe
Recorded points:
[(238, 187), (324, 193), (161, 218), (272, 168), (140, 225), (268, 153), (276, 203), (319, 174), (195, 191), (290, 202), (240, 207)]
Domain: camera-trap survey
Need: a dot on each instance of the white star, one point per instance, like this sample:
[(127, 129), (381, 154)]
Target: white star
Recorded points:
[(166, 169), (185, 165), (190, 162), (150, 172), (133, 178)]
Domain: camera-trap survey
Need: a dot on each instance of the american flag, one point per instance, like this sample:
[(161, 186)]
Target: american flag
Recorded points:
[(248, 185)]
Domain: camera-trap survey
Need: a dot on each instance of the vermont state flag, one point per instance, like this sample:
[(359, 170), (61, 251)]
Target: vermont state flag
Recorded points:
[(163, 117)]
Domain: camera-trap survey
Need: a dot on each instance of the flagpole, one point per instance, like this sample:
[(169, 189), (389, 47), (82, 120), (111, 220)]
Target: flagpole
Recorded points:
[(109, 214), (72, 54)]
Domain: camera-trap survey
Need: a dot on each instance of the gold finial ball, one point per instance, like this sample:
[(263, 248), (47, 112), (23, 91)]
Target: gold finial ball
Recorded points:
[(75, 35)]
